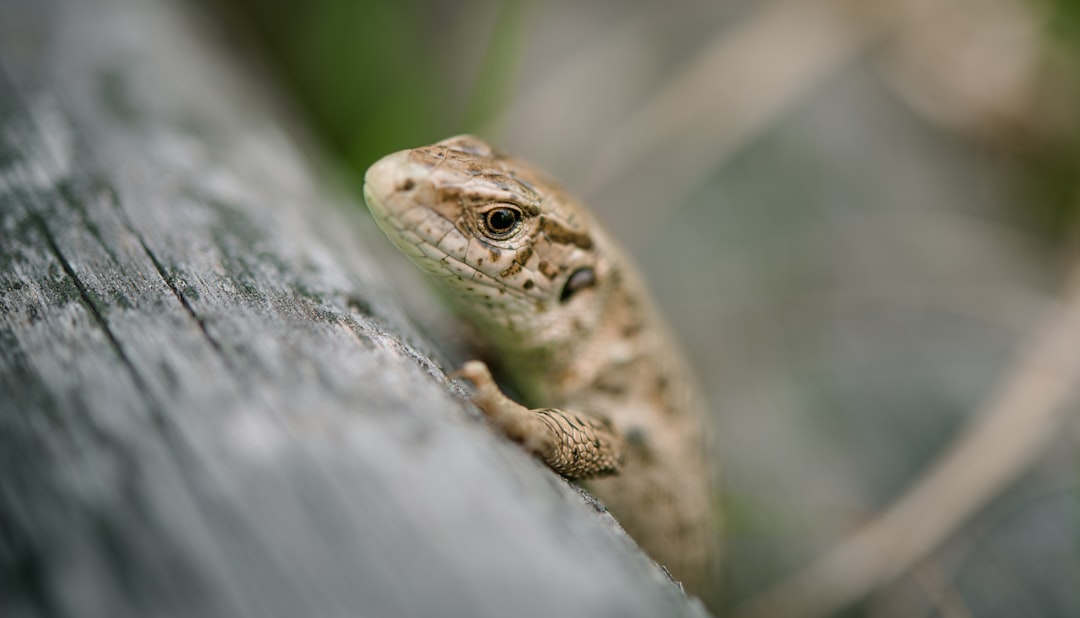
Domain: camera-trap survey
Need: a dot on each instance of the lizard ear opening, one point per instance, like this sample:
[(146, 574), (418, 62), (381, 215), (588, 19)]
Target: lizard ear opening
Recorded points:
[(581, 279)]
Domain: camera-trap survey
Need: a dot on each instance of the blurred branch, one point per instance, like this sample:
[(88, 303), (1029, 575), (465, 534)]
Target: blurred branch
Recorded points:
[(742, 82), (736, 87), (1031, 406)]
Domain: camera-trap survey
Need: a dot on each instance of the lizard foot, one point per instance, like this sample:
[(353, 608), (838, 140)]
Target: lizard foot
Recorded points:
[(574, 444)]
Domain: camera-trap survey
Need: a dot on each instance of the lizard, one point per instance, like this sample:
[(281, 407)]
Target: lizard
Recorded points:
[(607, 397)]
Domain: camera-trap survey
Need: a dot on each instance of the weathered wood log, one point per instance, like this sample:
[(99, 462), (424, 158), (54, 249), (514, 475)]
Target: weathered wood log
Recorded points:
[(210, 401)]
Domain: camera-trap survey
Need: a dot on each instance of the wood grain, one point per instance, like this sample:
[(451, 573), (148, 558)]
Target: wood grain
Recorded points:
[(211, 402)]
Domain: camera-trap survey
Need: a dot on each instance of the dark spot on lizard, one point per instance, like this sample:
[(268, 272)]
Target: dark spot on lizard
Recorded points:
[(519, 262), (547, 269), (559, 233), (525, 183), (638, 439), (661, 384), (529, 284), (612, 380), (632, 328), (663, 394), (609, 387)]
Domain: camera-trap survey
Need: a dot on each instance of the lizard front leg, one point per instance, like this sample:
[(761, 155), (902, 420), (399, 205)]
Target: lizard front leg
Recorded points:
[(574, 444)]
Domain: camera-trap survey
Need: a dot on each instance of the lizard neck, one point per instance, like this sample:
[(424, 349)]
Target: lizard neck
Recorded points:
[(582, 352)]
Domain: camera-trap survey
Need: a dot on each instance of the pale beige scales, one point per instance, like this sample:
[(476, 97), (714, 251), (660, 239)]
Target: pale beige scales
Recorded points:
[(571, 326)]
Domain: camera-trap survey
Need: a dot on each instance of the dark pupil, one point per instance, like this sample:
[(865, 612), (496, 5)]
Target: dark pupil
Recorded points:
[(502, 220)]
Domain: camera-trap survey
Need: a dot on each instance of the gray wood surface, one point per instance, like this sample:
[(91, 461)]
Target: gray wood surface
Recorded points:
[(211, 403)]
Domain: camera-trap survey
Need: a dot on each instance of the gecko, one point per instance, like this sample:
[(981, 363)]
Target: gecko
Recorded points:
[(607, 398)]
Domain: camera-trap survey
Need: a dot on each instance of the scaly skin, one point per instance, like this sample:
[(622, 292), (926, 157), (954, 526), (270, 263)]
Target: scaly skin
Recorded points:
[(571, 327)]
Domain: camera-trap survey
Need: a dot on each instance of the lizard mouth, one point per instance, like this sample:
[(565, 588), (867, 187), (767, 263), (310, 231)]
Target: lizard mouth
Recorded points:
[(383, 181), (384, 216)]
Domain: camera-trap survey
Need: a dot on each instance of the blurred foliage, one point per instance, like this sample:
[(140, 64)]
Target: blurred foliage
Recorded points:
[(378, 76), (1053, 157), (1065, 20)]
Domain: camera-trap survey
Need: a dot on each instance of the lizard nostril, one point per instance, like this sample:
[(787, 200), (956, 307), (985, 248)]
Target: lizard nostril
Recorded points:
[(407, 185)]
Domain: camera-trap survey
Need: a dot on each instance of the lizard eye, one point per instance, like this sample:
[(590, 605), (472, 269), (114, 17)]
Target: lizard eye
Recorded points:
[(581, 278), (502, 221)]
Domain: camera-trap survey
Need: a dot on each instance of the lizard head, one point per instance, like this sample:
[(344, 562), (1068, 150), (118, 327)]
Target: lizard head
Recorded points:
[(517, 253)]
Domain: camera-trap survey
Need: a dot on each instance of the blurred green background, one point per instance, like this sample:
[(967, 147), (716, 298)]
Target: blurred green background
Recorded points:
[(856, 214)]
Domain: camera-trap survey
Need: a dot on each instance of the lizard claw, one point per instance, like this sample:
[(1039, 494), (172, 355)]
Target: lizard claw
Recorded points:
[(474, 371)]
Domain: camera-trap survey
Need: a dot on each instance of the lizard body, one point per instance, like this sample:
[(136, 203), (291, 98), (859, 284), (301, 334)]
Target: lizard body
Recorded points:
[(572, 328)]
